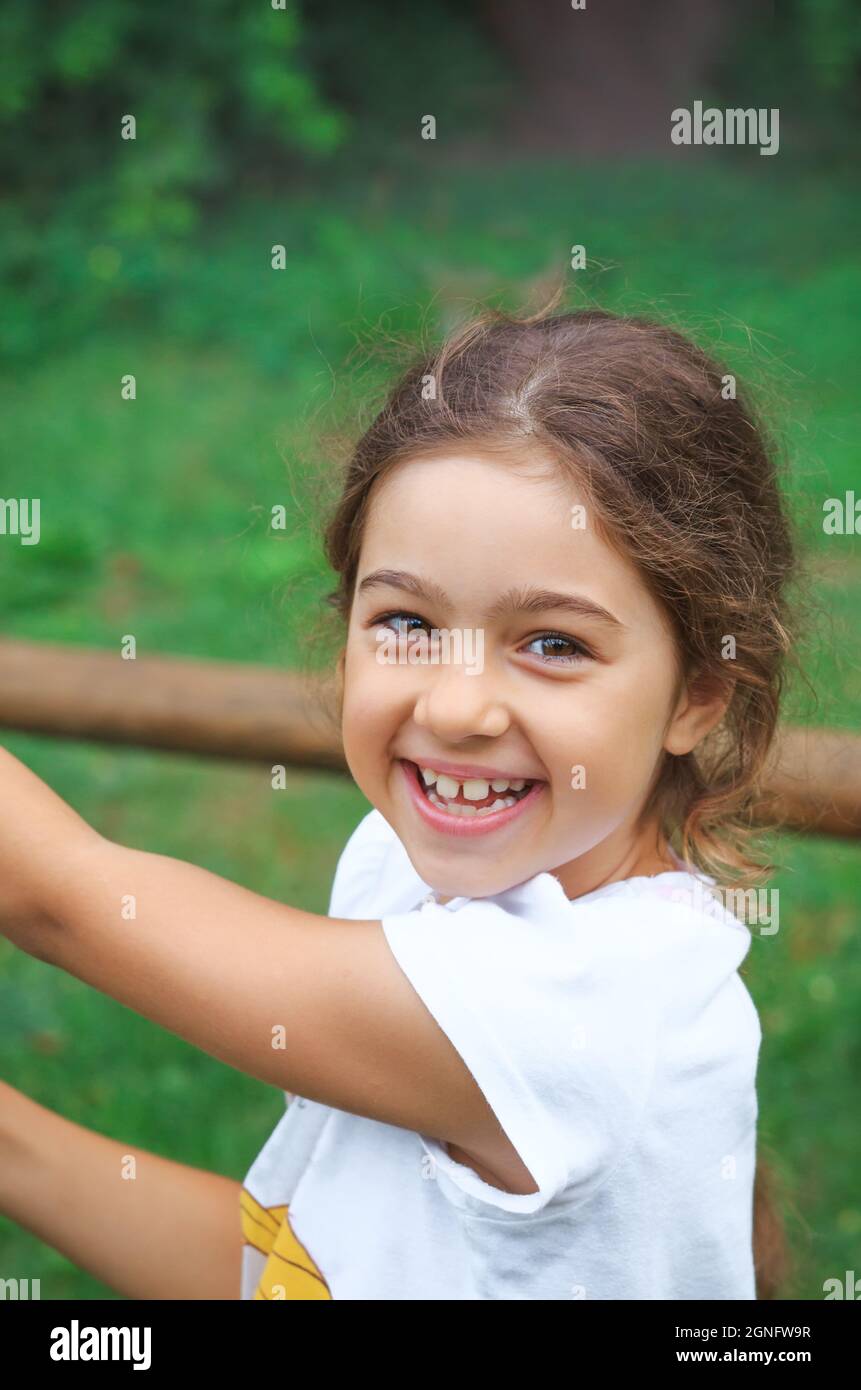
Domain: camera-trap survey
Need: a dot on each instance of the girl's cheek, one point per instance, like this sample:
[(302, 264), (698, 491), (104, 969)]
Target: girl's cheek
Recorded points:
[(605, 761)]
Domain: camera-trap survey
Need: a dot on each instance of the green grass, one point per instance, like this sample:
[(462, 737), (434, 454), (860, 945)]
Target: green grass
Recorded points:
[(155, 522)]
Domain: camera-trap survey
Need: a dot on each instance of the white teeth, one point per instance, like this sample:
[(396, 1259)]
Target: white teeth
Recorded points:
[(456, 809), (443, 790), (447, 786), (476, 789)]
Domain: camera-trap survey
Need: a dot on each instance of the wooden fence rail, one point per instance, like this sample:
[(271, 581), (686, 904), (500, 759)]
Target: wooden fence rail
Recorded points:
[(256, 713)]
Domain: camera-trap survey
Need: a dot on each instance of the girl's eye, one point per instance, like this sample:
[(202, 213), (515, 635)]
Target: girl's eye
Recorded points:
[(560, 650), (394, 620), (563, 651)]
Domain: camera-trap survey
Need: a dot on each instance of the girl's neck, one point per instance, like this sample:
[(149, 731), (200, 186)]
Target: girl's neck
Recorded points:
[(650, 855), (654, 856)]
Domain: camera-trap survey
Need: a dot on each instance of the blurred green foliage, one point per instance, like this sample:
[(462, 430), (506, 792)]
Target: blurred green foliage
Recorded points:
[(235, 101), (802, 54), (214, 86)]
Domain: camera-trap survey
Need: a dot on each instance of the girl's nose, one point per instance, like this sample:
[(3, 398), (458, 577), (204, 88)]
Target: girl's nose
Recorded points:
[(454, 705)]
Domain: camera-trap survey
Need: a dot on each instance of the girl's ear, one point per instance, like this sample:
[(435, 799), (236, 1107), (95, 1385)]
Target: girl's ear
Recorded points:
[(700, 708)]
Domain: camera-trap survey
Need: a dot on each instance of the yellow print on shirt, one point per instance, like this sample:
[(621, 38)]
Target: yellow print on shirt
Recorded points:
[(290, 1272)]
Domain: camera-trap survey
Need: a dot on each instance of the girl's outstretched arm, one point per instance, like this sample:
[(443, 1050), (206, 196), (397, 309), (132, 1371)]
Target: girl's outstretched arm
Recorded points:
[(311, 1004), (170, 1231)]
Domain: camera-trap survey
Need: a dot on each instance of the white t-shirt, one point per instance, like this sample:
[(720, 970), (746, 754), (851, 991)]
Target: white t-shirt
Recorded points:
[(617, 1045)]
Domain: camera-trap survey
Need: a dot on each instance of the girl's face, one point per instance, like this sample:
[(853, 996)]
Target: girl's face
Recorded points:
[(492, 641)]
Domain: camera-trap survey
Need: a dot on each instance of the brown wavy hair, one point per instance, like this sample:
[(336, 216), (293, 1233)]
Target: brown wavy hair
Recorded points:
[(679, 475)]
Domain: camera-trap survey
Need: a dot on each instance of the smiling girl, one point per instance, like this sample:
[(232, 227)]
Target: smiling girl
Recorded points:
[(519, 1059)]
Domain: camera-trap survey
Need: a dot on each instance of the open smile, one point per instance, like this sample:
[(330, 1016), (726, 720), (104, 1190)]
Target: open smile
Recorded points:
[(472, 805)]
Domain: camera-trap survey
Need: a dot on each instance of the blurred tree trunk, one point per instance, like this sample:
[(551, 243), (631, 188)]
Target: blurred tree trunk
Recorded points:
[(605, 79)]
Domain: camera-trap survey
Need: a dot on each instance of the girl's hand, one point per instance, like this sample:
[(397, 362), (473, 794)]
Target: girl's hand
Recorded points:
[(41, 838)]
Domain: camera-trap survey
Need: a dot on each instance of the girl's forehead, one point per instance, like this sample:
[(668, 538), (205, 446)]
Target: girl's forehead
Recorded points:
[(481, 526), (453, 482)]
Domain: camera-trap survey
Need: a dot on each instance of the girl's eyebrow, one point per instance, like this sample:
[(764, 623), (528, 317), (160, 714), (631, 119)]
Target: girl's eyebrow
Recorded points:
[(527, 600)]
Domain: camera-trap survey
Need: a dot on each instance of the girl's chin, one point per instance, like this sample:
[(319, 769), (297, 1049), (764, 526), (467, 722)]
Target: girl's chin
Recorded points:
[(438, 874)]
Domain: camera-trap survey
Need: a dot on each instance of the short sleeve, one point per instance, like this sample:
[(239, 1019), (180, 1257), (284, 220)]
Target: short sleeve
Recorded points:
[(357, 872), (556, 1019)]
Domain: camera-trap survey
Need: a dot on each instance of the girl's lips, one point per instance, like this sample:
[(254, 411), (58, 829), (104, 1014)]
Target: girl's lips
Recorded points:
[(463, 826)]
